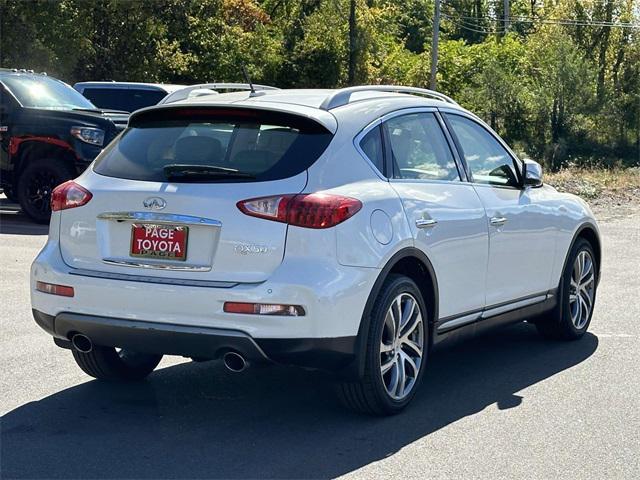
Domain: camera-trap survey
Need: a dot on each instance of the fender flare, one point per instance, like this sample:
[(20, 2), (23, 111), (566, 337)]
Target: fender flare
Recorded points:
[(597, 248), (361, 339)]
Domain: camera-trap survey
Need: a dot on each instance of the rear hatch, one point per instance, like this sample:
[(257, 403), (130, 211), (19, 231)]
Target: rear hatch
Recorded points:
[(164, 194)]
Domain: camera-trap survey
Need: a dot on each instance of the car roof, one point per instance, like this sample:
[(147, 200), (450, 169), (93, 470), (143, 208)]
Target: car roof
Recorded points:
[(13, 72), (166, 87)]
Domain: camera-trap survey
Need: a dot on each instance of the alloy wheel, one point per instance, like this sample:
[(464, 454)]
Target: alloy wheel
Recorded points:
[(581, 289), (401, 346), (39, 190)]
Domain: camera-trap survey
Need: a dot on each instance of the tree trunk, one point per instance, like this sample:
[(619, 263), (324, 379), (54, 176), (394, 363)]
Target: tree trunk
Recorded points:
[(602, 57), (353, 39)]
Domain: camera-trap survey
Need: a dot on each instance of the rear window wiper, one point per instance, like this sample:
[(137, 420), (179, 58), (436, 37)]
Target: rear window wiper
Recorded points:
[(203, 172)]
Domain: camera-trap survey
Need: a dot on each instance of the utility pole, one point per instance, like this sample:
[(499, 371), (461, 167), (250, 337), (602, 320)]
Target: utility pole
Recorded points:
[(507, 15), (434, 44)]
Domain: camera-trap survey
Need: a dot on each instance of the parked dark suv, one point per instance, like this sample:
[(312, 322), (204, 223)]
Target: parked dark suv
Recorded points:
[(49, 133), (126, 96)]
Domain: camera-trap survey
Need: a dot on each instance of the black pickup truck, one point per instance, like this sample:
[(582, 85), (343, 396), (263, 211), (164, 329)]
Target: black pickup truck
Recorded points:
[(49, 133)]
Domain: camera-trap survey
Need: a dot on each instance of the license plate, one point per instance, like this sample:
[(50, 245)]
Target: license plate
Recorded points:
[(162, 242)]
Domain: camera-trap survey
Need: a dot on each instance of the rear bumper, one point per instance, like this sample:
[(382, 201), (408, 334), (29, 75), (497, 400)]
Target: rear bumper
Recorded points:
[(332, 296), (199, 342)]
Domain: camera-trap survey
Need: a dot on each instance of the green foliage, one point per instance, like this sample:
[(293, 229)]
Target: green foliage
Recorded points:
[(563, 93)]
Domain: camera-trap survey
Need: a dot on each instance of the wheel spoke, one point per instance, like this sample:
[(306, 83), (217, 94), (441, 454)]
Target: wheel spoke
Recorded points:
[(409, 329), (413, 346), (390, 325), (584, 295), (397, 314), (411, 363), (386, 347), (586, 269), (393, 384), (402, 378), (578, 314), (407, 312), (385, 367)]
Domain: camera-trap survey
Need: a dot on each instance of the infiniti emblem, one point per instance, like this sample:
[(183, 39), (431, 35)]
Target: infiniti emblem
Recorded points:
[(154, 203)]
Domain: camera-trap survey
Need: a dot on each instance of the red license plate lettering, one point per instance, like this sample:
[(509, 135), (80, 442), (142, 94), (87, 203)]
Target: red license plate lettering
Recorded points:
[(163, 242)]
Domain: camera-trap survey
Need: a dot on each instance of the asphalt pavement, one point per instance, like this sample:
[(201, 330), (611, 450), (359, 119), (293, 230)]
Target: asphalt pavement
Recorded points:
[(507, 405)]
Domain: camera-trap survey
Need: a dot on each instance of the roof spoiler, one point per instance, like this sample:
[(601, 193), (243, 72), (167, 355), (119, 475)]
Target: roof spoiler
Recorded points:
[(210, 89)]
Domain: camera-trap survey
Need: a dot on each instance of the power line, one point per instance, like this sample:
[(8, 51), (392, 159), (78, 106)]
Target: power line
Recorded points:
[(472, 27), (559, 21)]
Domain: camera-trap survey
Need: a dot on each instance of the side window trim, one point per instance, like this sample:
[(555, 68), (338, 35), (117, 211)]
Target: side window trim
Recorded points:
[(516, 163), (460, 163)]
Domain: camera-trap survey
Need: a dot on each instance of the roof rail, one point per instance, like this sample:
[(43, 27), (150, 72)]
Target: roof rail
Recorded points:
[(341, 97), (184, 93)]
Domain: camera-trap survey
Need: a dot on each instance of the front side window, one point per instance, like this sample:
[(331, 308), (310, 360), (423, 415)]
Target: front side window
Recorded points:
[(419, 149), (487, 159)]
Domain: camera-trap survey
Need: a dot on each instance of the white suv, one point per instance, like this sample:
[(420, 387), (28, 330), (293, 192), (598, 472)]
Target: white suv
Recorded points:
[(349, 230)]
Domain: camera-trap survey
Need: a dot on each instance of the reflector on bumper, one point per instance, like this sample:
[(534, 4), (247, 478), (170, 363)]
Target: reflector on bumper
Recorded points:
[(264, 309)]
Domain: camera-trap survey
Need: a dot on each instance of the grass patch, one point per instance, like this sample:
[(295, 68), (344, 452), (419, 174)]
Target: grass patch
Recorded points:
[(616, 185)]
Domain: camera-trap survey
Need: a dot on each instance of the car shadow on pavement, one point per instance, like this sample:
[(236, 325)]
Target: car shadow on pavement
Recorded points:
[(15, 223), (198, 421)]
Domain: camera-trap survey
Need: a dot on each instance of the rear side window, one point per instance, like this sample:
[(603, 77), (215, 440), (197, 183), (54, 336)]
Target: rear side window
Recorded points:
[(371, 145), (127, 99), (206, 145)]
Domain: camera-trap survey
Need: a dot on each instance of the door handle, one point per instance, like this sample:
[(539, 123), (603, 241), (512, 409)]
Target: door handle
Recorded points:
[(426, 223), (498, 221)]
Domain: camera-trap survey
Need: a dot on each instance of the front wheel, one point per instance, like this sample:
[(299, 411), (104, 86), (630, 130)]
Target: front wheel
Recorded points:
[(107, 363), (396, 351), (577, 296)]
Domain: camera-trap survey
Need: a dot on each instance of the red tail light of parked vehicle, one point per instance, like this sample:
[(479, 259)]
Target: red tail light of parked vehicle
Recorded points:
[(69, 195), (315, 210)]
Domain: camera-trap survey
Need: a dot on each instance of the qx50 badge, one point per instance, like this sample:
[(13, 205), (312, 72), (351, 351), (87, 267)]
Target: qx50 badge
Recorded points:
[(154, 203)]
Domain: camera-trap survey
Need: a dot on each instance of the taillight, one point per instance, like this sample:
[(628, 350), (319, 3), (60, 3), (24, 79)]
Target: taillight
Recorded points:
[(69, 195), (314, 210)]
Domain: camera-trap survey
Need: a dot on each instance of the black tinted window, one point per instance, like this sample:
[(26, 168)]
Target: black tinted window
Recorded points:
[(204, 145), (127, 99), (487, 159), (371, 145)]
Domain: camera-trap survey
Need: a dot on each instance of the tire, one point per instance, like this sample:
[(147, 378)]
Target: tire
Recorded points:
[(105, 363), (37, 180), (569, 320), (375, 393)]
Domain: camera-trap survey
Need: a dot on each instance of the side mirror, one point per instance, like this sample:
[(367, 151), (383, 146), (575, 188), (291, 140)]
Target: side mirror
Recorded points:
[(531, 173)]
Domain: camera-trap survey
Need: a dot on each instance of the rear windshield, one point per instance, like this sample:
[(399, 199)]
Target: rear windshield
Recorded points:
[(205, 145)]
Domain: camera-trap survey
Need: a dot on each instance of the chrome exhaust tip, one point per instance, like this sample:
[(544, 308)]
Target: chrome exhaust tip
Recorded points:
[(82, 343), (234, 362)]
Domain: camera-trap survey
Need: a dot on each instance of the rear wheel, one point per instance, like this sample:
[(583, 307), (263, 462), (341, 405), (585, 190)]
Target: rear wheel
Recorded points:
[(37, 181), (107, 363), (396, 351), (572, 316)]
